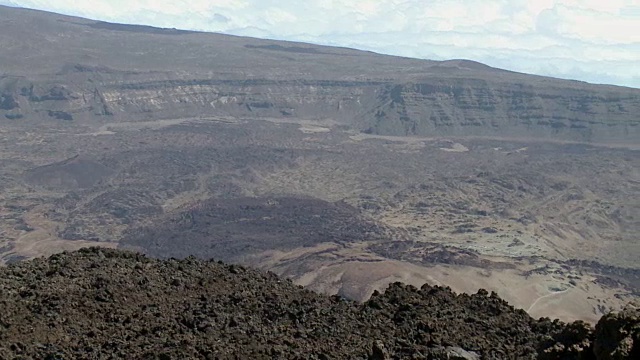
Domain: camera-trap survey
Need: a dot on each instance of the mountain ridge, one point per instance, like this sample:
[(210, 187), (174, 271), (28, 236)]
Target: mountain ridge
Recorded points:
[(193, 73), (132, 27)]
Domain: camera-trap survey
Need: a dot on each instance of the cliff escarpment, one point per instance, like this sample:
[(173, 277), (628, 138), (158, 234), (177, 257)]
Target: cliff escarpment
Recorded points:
[(459, 107), (78, 70)]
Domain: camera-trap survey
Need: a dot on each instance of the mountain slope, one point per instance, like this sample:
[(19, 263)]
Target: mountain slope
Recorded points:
[(279, 155), (58, 68)]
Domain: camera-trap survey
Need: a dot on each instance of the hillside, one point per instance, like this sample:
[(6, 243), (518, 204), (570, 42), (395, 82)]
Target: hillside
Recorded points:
[(57, 68), (341, 170), (110, 304)]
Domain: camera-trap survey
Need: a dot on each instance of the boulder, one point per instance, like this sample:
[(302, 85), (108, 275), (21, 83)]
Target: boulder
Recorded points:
[(617, 335)]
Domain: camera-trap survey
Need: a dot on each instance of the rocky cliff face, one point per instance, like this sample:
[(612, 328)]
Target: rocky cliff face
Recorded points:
[(83, 71), (509, 108)]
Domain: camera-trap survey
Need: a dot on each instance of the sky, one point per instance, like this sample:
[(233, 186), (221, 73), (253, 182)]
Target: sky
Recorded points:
[(591, 40)]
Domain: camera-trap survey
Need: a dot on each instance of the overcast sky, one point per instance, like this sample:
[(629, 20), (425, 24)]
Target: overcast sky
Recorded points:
[(592, 40)]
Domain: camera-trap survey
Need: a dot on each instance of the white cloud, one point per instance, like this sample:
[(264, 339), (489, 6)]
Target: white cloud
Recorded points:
[(593, 40)]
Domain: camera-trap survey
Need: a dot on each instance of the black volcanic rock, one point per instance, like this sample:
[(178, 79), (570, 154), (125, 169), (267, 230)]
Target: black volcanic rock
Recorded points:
[(99, 303), (618, 335), (75, 173), (229, 229), (8, 102)]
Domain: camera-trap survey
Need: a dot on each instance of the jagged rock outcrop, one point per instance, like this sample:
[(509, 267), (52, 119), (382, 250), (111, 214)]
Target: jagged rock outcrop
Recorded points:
[(575, 341), (128, 73), (617, 335), (100, 303), (379, 352)]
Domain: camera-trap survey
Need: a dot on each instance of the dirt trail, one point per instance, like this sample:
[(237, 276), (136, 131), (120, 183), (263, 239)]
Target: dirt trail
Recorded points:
[(532, 306)]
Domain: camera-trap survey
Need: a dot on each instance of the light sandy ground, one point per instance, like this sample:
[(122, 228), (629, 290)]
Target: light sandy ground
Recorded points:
[(456, 147), (410, 139), (112, 128), (309, 129), (354, 273), (43, 241), (306, 122)]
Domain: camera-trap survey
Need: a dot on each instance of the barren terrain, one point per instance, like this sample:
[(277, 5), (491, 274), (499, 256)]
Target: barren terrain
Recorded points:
[(105, 304), (343, 170)]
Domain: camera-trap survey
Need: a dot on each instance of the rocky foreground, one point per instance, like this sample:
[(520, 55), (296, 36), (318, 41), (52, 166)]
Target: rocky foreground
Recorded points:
[(105, 304)]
